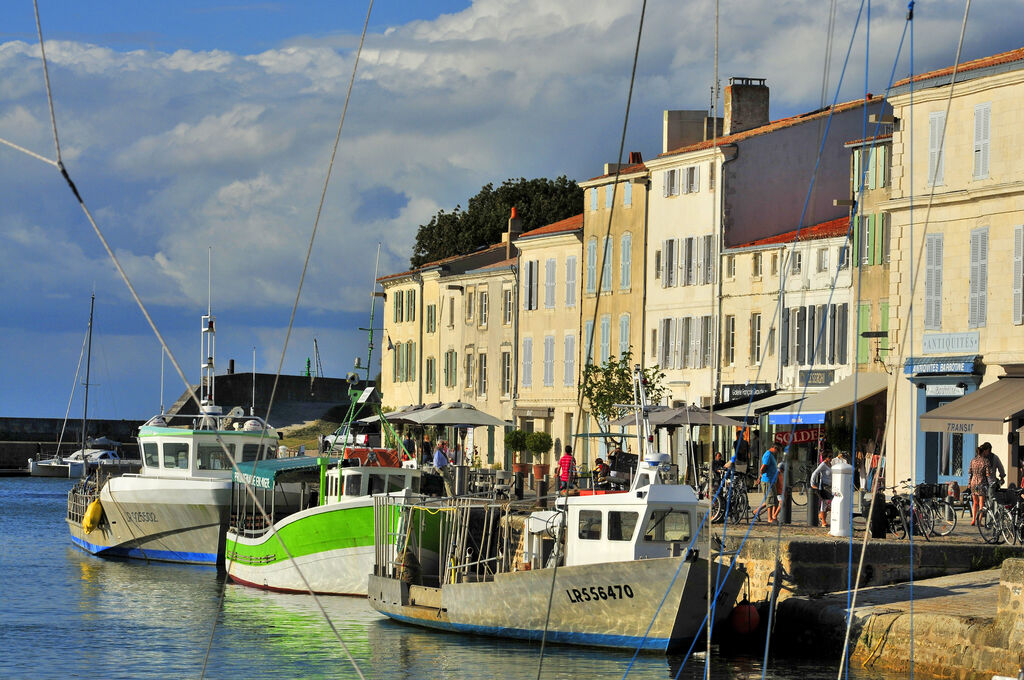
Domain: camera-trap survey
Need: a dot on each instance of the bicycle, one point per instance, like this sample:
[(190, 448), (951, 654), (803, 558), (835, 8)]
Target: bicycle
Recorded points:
[(939, 506), (995, 522), (905, 514)]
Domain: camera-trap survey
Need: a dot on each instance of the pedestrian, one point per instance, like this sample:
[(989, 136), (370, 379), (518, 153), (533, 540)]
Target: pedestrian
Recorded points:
[(442, 465), (601, 475), (858, 468), (740, 448), (566, 470), (821, 482), (768, 472), (979, 473), (998, 475), (409, 445), (426, 452)]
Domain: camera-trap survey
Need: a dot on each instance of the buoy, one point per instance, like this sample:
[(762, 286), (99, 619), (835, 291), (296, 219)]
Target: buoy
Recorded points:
[(92, 517), (744, 618)]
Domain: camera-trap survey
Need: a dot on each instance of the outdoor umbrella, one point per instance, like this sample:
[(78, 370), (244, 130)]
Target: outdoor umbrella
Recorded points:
[(657, 415), (403, 415), (663, 416), (455, 413)]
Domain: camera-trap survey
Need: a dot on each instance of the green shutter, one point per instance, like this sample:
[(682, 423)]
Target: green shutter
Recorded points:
[(856, 172), (883, 166), (863, 324), (883, 343)]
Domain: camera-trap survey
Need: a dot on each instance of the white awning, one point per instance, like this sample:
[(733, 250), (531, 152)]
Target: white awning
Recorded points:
[(980, 412), (842, 394)]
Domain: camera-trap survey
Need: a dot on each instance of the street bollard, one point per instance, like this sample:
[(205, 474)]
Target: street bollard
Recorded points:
[(786, 500), (519, 486), (542, 492), (813, 506)]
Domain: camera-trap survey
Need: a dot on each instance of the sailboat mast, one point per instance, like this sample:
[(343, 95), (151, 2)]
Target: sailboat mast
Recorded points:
[(373, 307), (88, 365)]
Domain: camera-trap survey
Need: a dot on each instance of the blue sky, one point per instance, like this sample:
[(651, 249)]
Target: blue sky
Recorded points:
[(197, 124)]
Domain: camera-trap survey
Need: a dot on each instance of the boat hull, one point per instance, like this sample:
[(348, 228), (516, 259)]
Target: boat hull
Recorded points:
[(159, 519), (48, 469), (603, 605)]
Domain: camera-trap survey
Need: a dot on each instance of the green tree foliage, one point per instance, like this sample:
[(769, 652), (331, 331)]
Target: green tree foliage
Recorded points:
[(537, 201), (612, 383), (515, 440), (539, 442)]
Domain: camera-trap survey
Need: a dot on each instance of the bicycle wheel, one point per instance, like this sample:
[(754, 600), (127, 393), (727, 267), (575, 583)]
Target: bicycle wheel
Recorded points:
[(799, 493), (943, 516), (989, 525), (925, 523), (717, 509), (894, 516), (1007, 530)]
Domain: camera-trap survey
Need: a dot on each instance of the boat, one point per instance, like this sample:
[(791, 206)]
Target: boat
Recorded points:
[(176, 509), (605, 569), (323, 540), (101, 453)]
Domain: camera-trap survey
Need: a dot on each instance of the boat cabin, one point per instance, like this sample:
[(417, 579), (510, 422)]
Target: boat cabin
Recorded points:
[(365, 481), (196, 447)]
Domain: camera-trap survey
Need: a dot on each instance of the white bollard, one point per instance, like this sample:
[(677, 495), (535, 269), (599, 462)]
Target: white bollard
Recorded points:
[(842, 497)]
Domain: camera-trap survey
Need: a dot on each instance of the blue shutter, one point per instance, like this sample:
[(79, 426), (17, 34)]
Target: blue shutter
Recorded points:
[(625, 261), (592, 265)]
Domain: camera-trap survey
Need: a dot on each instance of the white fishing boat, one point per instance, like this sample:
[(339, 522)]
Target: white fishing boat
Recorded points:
[(176, 508)]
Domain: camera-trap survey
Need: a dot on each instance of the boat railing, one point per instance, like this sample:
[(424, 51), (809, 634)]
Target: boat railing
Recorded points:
[(215, 422), (84, 492)]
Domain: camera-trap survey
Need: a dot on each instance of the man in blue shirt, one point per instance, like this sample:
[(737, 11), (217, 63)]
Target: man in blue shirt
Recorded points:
[(769, 471), (441, 462)]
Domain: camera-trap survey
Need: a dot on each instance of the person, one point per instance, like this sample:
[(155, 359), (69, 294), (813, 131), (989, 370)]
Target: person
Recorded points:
[(426, 452), (768, 472), (858, 468), (601, 475), (998, 475), (441, 463), (409, 446), (740, 447), (821, 482), (566, 470), (978, 473)]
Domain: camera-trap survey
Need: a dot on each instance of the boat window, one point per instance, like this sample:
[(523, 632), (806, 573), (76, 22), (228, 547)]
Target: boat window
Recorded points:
[(176, 455), (211, 457), (376, 484), (396, 483), (353, 484), (668, 525), (271, 452), (152, 452), (621, 525), (590, 525), (250, 452)]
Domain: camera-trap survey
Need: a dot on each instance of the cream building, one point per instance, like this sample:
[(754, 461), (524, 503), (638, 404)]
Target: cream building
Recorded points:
[(957, 318), (548, 316)]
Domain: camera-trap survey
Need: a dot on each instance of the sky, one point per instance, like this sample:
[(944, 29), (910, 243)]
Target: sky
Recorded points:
[(200, 125)]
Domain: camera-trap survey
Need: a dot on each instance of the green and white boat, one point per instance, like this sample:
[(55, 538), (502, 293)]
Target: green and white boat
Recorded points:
[(329, 538)]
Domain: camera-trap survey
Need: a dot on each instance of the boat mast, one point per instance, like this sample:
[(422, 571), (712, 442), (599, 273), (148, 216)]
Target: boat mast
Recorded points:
[(208, 344), (373, 307), (88, 365)]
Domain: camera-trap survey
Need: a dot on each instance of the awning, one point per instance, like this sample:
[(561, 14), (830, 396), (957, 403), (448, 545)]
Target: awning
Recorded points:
[(264, 474), (759, 406), (812, 410), (982, 412)]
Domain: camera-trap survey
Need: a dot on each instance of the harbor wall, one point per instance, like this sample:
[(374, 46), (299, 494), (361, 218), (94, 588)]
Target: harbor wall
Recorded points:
[(24, 438)]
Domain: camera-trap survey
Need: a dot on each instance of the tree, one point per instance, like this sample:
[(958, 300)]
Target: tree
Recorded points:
[(539, 443), (612, 383), (515, 440), (538, 202)]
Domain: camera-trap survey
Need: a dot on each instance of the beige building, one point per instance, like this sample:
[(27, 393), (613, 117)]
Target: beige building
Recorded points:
[(548, 317), (956, 308)]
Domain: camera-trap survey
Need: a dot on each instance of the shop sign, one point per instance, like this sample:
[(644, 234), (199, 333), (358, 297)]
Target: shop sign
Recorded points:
[(943, 391), (950, 343), (817, 378), (798, 436), (940, 365), (745, 391), (794, 418)]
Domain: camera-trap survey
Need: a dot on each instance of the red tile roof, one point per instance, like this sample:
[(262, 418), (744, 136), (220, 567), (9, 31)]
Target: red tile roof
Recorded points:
[(772, 126), (876, 138), (994, 60), (568, 224), (830, 229), (636, 167)]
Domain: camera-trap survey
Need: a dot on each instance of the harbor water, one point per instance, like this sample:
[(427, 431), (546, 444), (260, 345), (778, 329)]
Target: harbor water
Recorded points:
[(67, 614)]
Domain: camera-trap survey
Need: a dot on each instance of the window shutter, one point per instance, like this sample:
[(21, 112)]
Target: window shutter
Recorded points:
[(696, 178), (822, 341), (570, 361), (812, 333), (784, 337), (549, 282), (591, 265), (856, 172), (883, 343), (669, 258), (982, 317), (527, 379), (623, 334), (675, 182), (666, 184), (856, 240), (972, 314), (606, 337), (657, 266), (832, 334), (863, 324), (549, 360), (627, 194), (872, 175), (872, 239), (1018, 274), (936, 122), (593, 199), (982, 116), (535, 285), (678, 349), (699, 274), (883, 165), (801, 335), (666, 344), (843, 333), (606, 265), (625, 261), (570, 281), (588, 342), (664, 261)]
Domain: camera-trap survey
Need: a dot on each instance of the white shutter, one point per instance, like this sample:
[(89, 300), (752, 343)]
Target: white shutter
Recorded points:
[(974, 259), (936, 123), (666, 344), (570, 281), (695, 341), (591, 265), (570, 361), (668, 258), (696, 178), (675, 182), (549, 282), (982, 117), (981, 318), (549, 360), (937, 283), (664, 263), (527, 379), (699, 269), (678, 349), (1018, 275), (535, 285), (666, 184), (625, 261)]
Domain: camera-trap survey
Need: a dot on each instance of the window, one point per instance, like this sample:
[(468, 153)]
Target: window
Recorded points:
[(549, 283), (399, 307), (800, 334), (797, 262), (570, 281), (483, 307), (470, 297), (530, 281), (588, 342), (593, 199), (685, 344), (822, 259), (627, 194), (609, 195), (755, 339), (667, 525), (657, 265), (470, 375), (481, 366), (708, 270), (936, 128), (451, 312), (151, 450), (978, 308), (451, 365), (883, 237), (982, 117), (730, 340), (506, 374), (933, 282), (508, 303), (527, 362), (410, 305), (397, 358), (1018, 275), (549, 360), (569, 376), (730, 266), (590, 525), (606, 266), (692, 179), (430, 375), (431, 318), (667, 342), (671, 182), (625, 261), (707, 346), (668, 263), (688, 262), (755, 265), (844, 257), (176, 455), (621, 525), (410, 361), (623, 334), (775, 264), (592, 265), (211, 457), (606, 337), (864, 238)]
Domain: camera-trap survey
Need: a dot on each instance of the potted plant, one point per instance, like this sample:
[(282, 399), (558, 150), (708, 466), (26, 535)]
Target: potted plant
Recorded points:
[(515, 440), (539, 443)]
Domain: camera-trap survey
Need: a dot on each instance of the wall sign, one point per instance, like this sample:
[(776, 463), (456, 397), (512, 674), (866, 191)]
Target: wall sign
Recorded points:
[(817, 377), (745, 391), (944, 391), (950, 343)]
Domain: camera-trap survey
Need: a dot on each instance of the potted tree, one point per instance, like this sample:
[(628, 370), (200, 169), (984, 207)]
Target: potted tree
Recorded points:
[(539, 443), (515, 440)]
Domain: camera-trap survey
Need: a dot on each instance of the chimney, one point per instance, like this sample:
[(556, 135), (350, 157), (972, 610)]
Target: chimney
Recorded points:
[(746, 104), (682, 128), (231, 366), (515, 228), (635, 158)]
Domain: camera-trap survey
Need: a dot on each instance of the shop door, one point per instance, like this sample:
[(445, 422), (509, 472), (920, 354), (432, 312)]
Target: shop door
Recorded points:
[(943, 452)]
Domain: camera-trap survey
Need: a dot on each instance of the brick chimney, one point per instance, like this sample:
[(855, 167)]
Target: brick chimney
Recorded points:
[(746, 104), (515, 228)]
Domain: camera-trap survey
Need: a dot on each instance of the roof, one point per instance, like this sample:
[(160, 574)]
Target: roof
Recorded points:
[(967, 66), (496, 265), (877, 138), (263, 474), (629, 169), (773, 126), (573, 223), (837, 227), (442, 261)]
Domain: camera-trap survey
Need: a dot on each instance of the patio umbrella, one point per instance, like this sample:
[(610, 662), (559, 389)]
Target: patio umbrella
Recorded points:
[(657, 415), (455, 413)]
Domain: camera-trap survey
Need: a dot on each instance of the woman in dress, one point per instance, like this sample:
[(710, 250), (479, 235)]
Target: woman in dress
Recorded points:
[(978, 474)]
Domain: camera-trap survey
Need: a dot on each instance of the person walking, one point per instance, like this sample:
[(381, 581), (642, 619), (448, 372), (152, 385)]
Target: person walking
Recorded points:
[(740, 448), (821, 483), (566, 470), (442, 464), (979, 473), (998, 475), (768, 472)]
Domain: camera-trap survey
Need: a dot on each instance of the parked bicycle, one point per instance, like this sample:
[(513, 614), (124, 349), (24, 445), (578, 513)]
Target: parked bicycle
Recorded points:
[(1001, 516), (938, 505), (905, 513)]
